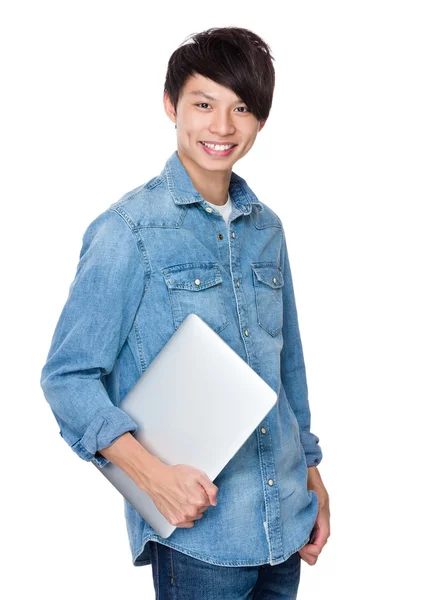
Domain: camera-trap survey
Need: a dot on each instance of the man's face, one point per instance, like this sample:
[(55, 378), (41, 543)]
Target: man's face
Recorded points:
[(220, 118)]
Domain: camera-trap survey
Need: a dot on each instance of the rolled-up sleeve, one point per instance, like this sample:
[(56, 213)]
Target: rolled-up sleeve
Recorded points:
[(94, 323), (293, 373)]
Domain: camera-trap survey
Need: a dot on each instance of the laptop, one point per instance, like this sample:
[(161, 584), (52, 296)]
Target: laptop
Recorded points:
[(196, 404)]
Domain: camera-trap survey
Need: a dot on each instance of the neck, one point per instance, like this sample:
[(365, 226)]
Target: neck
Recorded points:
[(212, 185)]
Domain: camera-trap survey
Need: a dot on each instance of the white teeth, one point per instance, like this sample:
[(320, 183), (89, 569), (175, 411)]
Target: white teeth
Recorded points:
[(215, 147)]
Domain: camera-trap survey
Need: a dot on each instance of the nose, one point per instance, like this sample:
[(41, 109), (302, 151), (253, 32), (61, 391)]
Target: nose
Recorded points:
[(222, 124)]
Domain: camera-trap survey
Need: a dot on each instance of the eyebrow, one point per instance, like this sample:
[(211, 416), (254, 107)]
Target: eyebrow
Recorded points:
[(200, 93)]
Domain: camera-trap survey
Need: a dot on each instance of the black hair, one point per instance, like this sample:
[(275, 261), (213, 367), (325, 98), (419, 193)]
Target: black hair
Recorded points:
[(231, 56)]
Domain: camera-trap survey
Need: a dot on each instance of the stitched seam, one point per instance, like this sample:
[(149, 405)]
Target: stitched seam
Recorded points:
[(172, 566), (157, 566), (140, 245), (139, 346), (235, 296)]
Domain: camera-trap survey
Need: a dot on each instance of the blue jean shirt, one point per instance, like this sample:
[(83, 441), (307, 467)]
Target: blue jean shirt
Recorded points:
[(134, 285)]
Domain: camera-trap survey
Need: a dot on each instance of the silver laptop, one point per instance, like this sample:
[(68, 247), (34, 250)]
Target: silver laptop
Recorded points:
[(196, 404)]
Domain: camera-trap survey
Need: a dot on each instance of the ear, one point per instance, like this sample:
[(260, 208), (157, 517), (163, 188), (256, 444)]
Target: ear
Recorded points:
[(169, 108), (261, 125)]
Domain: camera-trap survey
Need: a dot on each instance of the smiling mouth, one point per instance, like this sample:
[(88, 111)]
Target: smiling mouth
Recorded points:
[(218, 150), (219, 147)]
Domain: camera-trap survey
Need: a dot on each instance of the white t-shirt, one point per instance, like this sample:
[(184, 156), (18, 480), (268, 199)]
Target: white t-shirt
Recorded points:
[(225, 209)]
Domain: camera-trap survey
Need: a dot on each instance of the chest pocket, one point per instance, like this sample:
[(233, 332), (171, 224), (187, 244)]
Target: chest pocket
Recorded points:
[(268, 282), (196, 287)]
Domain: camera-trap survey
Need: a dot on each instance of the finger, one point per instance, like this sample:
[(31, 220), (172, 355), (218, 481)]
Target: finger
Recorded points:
[(320, 537), (307, 554), (198, 515), (312, 549), (308, 558), (210, 488), (186, 524)]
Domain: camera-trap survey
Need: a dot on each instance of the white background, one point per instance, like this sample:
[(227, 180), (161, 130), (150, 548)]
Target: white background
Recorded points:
[(340, 160)]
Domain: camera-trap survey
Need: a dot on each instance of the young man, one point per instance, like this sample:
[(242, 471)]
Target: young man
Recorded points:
[(195, 238)]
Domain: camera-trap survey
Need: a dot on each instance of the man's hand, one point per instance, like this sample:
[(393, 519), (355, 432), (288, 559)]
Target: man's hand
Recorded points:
[(321, 530)]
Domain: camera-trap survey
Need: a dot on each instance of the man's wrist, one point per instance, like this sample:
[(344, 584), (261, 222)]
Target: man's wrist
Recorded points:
[(316, 484), (313, 472), (128, 454), (314, 478)]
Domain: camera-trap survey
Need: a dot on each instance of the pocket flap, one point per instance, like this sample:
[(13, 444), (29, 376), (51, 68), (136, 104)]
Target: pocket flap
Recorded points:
[(269, 273), (192, 276)]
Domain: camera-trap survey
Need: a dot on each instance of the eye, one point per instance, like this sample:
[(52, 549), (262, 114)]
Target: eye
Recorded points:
[(206, 104)]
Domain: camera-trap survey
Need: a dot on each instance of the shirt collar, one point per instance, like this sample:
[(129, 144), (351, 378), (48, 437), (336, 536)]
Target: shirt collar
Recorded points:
[(183, 191)]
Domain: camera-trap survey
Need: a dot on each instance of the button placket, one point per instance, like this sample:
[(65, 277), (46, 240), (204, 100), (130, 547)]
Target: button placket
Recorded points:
[(232, 235)]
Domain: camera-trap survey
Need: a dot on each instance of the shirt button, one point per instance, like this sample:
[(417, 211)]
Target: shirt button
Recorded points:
[(270, 482), (263, 430), (274, 280), (238, 283), (208, 208), (220, 236), (246, 333), (233, 235), (197, 281)]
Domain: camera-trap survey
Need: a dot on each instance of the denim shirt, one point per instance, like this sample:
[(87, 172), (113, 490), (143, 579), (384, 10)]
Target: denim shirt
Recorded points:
[(135, 283)]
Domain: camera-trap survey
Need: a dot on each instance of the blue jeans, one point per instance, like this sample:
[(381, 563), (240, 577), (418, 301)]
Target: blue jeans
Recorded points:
[(177, 576)]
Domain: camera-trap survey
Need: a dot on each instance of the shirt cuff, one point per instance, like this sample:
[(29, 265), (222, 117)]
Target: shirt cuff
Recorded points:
[(103, 430), (313, 452)]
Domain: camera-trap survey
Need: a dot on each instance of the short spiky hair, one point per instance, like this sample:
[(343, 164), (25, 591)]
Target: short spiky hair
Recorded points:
[(231, 56)]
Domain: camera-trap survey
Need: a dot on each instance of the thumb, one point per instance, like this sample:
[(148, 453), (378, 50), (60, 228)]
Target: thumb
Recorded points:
[(210, 489)]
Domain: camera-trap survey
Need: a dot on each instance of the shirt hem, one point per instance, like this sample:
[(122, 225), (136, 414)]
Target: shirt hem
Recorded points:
[(220, 563)]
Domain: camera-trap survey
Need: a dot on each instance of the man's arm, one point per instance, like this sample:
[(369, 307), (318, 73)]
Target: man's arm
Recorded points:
[(293, 377), (314, 479), (93, 326), (133, 458), (293, 374)]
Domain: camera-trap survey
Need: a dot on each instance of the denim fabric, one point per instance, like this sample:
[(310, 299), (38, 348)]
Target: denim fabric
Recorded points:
[(176, 575), (133, 287)]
